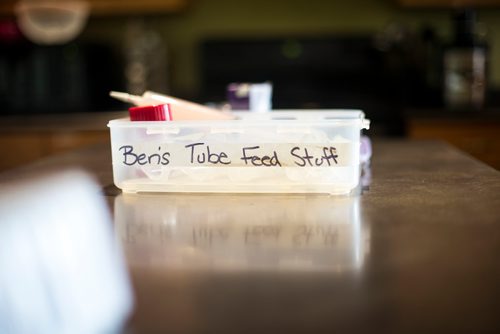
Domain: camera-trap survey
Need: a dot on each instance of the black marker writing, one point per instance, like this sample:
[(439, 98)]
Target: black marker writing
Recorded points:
[(328, 157), (207, 156), (130, 158), (255, 160)]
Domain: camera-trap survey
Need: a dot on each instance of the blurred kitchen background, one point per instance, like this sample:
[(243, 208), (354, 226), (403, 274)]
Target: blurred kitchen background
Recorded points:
[(418, 68)]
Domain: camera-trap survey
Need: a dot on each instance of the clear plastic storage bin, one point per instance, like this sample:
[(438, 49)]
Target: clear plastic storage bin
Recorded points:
[(276, 152)]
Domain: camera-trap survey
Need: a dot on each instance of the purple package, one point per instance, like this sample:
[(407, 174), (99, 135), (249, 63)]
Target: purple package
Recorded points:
[(365, 155), (238, 96), (366, 150)]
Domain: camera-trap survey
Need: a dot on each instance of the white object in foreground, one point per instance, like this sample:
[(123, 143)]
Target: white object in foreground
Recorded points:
[(61, 270)]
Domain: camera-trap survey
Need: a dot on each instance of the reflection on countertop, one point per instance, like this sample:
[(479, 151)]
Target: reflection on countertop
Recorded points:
[(242, 232)]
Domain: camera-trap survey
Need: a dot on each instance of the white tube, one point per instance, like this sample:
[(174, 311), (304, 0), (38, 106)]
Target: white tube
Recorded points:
[(181, 109)]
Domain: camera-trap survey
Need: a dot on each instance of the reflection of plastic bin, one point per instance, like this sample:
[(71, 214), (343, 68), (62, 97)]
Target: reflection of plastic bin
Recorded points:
[(276, 152), (247, 232)]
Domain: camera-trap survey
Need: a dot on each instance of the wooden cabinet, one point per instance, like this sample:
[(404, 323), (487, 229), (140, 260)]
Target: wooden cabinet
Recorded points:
[(476, 135), (130, 7), (117, 7), (447, 3), (24, 139), (20, 148)]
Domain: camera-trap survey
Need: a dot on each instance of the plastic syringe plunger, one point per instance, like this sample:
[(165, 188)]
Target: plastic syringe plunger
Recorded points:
[(180, 109)]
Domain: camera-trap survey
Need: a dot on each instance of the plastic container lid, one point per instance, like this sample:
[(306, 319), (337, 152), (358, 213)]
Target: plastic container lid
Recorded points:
[(159, 112)]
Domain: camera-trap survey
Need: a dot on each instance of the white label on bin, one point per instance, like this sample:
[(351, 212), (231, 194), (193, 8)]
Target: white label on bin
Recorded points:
[(198, 154)]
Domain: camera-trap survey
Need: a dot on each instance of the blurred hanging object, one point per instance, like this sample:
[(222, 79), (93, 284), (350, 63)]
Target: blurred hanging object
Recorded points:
[(50, 22), (465, 65), (146, 58)]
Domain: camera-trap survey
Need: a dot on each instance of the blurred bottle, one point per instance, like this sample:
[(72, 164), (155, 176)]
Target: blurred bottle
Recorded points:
[(465, 63), (146, 58)]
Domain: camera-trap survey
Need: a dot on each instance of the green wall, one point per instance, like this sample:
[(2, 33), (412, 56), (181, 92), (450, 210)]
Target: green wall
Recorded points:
[(218, 18)]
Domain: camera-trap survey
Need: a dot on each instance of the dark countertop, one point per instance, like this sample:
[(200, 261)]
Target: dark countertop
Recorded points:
[(418, 252)]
